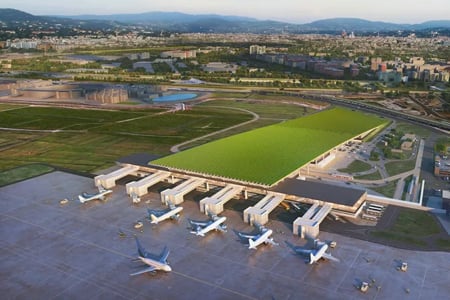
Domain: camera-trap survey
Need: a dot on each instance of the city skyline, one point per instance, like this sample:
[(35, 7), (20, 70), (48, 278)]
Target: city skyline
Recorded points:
[(400, 11)]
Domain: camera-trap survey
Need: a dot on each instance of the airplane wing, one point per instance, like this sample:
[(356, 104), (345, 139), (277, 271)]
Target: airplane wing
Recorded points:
[(155, 212), (222, 227), (86, 195), (271, 241), (198, 223), (260, 227), (141, 250), (146, 270), (164, 255), (302, 251), (247, 236), (194, 226), (330, 257)]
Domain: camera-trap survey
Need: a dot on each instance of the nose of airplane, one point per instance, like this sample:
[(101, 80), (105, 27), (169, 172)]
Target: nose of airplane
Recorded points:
[(167, 268)]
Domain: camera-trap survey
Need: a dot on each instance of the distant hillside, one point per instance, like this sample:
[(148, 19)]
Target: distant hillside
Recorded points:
[(353, 24), (219, 23), (12, 15), (358, 25), (433, 24), (180, 22), (159, 17), (13, 18)]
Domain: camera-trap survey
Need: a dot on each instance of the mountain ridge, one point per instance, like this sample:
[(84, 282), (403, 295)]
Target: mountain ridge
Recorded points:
[(182, 22)]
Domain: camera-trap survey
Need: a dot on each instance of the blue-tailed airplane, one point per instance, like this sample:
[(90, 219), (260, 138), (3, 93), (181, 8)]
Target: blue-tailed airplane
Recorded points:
[(314, 255), (158, 215), (203, 227), (85, 197), (154, 263), (263, 236)]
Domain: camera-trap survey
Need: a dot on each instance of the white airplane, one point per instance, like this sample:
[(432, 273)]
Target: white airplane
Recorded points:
[(85, 197), (316, 254), (154, 264), (203, 227), (158, 215), (254, 240)]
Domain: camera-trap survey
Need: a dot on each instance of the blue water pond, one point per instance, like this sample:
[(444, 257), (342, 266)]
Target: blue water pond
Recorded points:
[(175, 97)]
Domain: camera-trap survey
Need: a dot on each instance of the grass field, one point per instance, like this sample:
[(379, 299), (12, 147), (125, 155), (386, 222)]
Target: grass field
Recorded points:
[(397, 167), (268, 154), (371, 176), (48, 118), (4, 106), (356, 166), (444, 244), (388, 190), (266, 110), (22, 173), (410, 128), (412, 227), (90, 140)]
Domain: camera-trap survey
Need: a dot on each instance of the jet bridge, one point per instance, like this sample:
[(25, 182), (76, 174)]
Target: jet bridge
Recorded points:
[(176, 194), (109, 180), (260, 212), (307, 226), (215, 203), (140, 188)]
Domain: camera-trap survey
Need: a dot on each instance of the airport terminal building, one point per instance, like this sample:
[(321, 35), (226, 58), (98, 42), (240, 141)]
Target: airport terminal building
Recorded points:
[(265, 162)]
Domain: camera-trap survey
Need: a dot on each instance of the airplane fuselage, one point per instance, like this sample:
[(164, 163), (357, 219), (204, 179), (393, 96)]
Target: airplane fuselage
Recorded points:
[(253, 243), (85, 198), (315, 256), (214, 225), (156, 264), (169, 214)]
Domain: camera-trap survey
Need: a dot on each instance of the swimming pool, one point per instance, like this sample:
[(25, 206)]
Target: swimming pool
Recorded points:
[(175, 97)]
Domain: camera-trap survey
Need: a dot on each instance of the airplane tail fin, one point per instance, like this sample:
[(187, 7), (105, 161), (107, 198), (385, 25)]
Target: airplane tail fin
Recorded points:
[(141, 250), (195, 229), (251, 244), (164, 254), (222, 227)]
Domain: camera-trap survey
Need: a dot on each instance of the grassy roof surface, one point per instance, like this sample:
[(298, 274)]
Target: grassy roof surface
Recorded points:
[(268, 154)]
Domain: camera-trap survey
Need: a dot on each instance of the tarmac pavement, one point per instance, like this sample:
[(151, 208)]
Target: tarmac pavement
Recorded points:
[(75, 251)]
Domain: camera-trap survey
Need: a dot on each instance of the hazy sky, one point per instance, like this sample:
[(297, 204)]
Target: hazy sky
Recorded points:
[(296, 11)]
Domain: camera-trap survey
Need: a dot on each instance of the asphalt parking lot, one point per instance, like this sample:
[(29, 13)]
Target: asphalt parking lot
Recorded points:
[(74, 251)]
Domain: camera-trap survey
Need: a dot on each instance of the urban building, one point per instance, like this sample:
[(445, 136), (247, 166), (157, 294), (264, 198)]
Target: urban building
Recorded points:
[(375, 63), (109, 95), (220, 67), (442, 166), (181, 54), (256, 49)]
